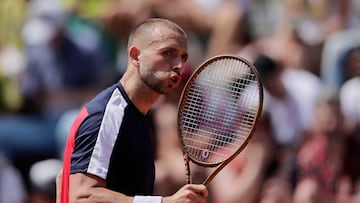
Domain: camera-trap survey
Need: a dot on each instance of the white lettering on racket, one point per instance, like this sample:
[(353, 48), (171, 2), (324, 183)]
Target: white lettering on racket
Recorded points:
[(205, 153)]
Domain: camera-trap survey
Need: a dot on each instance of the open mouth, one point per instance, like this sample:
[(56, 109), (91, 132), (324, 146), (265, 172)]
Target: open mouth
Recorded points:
[(175, 79)]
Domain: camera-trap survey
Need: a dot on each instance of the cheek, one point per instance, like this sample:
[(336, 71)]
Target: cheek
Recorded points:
[(162, 66), (153, 66)]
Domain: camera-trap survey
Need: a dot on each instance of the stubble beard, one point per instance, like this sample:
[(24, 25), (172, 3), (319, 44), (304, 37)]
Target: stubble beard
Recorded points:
[(156, 83)]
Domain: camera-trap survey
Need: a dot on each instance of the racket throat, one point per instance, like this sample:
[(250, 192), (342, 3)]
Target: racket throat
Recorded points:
[(187, 169)]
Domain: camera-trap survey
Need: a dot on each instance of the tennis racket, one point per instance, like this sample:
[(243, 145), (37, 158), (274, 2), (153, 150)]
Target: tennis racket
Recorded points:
[(217, 112)]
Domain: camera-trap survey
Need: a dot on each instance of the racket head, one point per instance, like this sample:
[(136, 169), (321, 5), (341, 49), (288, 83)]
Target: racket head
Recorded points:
[(218, 109)]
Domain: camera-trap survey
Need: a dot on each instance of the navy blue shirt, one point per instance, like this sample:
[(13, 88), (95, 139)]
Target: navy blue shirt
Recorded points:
[(113, 142)]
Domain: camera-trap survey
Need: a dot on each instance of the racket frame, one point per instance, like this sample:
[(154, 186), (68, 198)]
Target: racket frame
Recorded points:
[(220, 165)]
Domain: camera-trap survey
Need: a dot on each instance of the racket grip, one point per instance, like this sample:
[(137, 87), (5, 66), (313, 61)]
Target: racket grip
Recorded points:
[(187, 169)]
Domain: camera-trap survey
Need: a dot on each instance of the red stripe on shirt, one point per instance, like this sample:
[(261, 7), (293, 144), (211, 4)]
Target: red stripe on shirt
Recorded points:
[(69, 148)]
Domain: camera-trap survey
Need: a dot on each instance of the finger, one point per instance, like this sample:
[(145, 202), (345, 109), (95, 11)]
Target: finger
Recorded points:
[(199, 189), (195, 197)]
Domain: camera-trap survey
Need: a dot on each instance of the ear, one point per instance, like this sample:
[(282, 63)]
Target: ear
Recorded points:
[(134, 53)]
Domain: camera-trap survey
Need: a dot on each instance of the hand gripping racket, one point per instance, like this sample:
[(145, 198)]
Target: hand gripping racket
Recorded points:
[(217, 113)]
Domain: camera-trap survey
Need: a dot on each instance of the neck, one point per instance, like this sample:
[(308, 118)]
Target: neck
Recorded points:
[(139, 93)]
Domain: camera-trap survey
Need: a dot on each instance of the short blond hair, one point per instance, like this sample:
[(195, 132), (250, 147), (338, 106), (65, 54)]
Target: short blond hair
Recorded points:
[(148, 26)]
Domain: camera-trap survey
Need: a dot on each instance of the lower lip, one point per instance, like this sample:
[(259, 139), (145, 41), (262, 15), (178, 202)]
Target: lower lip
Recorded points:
[(176, 80)]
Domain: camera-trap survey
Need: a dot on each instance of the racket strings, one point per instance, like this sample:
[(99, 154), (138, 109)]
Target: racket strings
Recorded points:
[(212, 110), (220, 110), (220, 138), (200, 152), (243, 129), (197, 93)]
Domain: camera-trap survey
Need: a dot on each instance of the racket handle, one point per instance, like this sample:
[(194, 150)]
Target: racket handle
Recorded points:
[(187, 169), (207, 181)]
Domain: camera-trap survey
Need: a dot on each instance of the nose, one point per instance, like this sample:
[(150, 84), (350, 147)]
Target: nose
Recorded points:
[(179, 66)]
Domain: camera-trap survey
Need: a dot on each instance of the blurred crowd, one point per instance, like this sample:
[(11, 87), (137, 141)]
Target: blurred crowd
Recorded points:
[(56, 54)]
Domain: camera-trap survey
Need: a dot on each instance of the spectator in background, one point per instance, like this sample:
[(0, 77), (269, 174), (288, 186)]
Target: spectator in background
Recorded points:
[(229, 26), (335, 49), (304, 86), (280, 105), (349, 100), (12, 186), (12, 59), (43, 181), (340, 41), (276, 190), (58, 68), (241, 179), (12, 64), (349, 91), (319, 158)]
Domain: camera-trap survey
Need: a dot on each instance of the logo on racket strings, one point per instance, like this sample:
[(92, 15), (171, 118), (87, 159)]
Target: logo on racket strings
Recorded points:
[(205, 153)]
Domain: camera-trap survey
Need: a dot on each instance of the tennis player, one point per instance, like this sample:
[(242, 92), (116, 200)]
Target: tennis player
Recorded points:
[(109, 155)]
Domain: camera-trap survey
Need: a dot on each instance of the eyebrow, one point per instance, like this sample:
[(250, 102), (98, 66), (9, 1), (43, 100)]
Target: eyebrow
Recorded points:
[(170, 48)]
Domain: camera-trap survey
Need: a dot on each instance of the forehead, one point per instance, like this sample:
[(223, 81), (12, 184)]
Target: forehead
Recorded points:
[(162, 36)]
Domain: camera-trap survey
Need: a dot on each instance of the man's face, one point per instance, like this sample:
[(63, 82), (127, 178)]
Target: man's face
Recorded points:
[(162, 60)]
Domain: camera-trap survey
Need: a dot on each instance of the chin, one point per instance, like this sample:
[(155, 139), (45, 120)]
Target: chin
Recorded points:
[(168, 91)]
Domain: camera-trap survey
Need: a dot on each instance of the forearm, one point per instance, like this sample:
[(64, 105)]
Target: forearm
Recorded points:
[(100, 194), (188, 193), (90, 188), (87, 188)]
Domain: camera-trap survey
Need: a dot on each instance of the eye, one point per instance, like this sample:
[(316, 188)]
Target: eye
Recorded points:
[(184, 57), (168, 53), (173, 53)]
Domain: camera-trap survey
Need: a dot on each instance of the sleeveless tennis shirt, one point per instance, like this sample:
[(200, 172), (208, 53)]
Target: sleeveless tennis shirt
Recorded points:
[(110, 139)]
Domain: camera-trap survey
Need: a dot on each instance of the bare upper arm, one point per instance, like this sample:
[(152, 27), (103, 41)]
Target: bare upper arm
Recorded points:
[(90, 188), (81, 184)]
